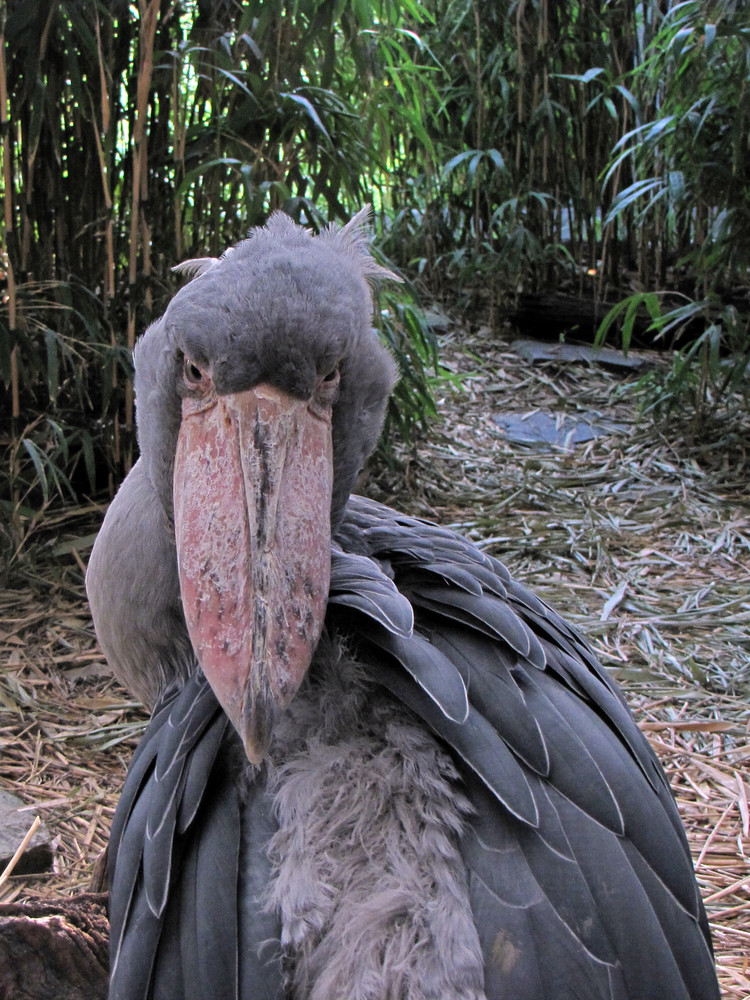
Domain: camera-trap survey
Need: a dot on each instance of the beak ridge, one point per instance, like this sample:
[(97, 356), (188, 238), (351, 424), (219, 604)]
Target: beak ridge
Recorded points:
[(252, 495)]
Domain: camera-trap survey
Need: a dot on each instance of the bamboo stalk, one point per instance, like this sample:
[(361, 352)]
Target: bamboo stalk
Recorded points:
[(479, 120), (109, 273), (109, 264), (8, 870), (149, 15), (179, 131), (544, 37), (519, 99), (5, 129)]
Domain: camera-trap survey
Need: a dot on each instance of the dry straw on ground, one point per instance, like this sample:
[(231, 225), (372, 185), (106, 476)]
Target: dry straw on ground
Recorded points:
[(640, 539)]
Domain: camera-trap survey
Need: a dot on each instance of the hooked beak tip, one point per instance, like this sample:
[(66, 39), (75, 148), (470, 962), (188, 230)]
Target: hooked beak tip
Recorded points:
[(256, 724)]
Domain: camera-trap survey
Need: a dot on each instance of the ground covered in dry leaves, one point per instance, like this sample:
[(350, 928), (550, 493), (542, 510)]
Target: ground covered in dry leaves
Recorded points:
[(641, 538)]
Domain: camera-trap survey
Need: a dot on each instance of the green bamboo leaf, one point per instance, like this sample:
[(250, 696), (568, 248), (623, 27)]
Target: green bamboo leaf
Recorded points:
[(394, 75), (224, 43), (62, 440), (654, 130), (608, 321), (419, 42), (496, 158), (630, 98), (458, 159), (474, 163), (363, 13), (233, 78), (680, 317), (83, 37), (305, 104), (592, 74), (418, 12), (653, 306), (635, 134), (87, 447), (634, 304), (252, 45), (37, 459), (707, 115), (721, 227), (612, 169), (204, 168), (631, 195), (681, 40), (677, 187), (417, 126), (587, 77)]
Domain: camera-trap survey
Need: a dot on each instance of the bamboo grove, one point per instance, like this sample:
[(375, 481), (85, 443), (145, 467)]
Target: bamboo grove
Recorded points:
[(508, 146)]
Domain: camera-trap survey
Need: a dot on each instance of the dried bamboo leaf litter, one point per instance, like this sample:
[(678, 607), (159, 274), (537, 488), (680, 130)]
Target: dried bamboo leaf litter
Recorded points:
[(639, 538)]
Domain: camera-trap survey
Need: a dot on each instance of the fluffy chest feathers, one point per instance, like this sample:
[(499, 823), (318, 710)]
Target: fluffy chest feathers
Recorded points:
[(368, 878)]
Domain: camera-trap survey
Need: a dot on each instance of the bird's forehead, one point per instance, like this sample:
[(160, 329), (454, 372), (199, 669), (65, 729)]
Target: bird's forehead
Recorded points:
[(306, 295)]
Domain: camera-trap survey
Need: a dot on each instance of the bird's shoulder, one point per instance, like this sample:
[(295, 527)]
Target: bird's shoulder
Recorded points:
[(576, 841)]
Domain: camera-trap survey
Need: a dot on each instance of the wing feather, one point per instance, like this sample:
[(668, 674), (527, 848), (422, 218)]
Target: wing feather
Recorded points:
[(485, 611), (359, 583), (495, 691), (579, 870), (475, 741), (175, 855), (437, 675)]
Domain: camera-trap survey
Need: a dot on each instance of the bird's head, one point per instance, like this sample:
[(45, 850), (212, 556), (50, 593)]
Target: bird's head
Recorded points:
[(260, 393)]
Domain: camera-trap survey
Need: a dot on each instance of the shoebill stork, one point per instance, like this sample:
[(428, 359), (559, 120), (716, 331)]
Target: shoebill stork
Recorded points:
[(377, 767)]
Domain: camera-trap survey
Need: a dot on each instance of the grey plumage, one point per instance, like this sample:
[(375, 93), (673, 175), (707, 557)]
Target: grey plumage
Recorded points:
[(456, 803), (384, 909)]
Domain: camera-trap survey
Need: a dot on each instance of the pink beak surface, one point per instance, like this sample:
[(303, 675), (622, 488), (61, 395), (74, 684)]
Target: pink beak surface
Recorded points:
[(252, 500)]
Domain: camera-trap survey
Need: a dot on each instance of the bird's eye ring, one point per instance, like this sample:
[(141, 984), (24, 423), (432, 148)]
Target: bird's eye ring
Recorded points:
[(331, 377), (192, 373)]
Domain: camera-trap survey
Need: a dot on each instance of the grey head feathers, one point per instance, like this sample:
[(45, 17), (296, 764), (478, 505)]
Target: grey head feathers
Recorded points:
[(283, 306)]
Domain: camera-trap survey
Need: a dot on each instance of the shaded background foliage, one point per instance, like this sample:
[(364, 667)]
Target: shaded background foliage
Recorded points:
[(510, 149)]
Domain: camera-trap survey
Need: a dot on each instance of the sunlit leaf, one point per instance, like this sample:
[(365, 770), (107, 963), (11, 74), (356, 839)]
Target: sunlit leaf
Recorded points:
[(309, 109)]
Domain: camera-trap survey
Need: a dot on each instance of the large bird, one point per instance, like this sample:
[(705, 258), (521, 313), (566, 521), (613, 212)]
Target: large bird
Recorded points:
[(377, 767)]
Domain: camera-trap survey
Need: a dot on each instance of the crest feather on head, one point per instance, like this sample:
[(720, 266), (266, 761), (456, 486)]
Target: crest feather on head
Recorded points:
[(352, 239)]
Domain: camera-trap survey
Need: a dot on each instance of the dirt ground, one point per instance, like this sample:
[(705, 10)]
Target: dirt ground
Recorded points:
[(641, 538)]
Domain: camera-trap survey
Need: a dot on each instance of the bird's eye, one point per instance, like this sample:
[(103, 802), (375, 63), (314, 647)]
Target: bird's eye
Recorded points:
[(327, 387), (192, 373)]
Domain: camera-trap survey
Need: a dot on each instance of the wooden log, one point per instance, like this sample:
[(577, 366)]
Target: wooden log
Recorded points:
[(547, 317), (55, 950)]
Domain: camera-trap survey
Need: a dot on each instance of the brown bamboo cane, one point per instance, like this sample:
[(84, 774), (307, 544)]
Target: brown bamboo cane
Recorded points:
[(139, 232), (109, 265), (7, 147)]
